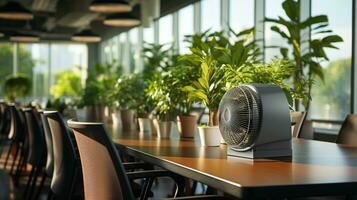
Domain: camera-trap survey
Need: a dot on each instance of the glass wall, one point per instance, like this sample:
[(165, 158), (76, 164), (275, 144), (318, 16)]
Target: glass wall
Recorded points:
[(165, 30), (273, 10), (241, 14), (6, 63), (210, 15), (185, 27), (43, 63), (331, 98)]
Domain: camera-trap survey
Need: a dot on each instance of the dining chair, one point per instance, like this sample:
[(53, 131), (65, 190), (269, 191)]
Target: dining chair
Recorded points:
[(66, 182), (49, 145), (36, 153), (104, 174), (16, 135), (298, 118), (5, 121), (348, 131)]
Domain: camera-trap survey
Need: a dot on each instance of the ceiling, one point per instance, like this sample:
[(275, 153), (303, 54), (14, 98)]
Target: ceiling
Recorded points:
[(57, 20)]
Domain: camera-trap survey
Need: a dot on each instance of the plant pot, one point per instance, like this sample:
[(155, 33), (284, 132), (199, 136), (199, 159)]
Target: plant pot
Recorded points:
[(95, 113), (144, 124), (210, 136), (127, 119), (163, 128), (187, 125)]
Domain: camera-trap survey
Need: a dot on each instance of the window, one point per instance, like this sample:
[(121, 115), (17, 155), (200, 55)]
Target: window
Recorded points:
[(210, 15), (165, 30), (33, 61), (134, 49), (331, 98), (6, 61), (148, 34), (273, 9), (241, 14), (185, 27)]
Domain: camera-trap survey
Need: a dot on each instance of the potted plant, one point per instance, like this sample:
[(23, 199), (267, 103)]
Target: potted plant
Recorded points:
[(68, 88), (208, 89), (157, 58), (278, 72), (211, 51), (126, 95), (17, 86), (96, 95), (160, 92), (179, 75), (306, 61), (144, 109)]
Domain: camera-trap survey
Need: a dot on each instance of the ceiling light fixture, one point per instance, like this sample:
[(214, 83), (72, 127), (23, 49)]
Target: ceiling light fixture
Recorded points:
[(25, 38), (110, 6), (86, 36), (121, 19), (15, 11)]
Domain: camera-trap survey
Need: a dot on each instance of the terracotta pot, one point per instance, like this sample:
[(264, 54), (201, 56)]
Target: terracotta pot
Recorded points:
[(127, 119), (187, 125), (163, 128), (153, 126), (144, 124), (210, 136)]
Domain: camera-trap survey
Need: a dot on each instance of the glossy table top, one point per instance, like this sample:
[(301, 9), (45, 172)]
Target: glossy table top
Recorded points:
[(315, 168)]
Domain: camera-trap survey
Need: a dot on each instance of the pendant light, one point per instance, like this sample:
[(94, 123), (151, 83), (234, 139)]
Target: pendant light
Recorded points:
[(121, 19), (25, 38), (15, 11), (87, 36), (110, 6)]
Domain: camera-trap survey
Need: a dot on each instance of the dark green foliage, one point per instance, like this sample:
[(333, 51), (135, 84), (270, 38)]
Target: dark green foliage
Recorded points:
[(128, 91), (99, 83), (17, 86)]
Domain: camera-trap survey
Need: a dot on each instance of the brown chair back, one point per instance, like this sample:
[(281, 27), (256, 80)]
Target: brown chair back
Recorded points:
[(103, 173), (66, 167), (348, 131), (298, 119)]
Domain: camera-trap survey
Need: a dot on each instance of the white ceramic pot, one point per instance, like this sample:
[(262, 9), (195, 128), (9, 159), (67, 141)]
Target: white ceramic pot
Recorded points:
[(210, 136), (163, 128), (116, 119), (144, 124)]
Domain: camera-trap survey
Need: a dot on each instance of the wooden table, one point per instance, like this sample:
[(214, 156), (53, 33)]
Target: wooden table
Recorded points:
[(316, 168)]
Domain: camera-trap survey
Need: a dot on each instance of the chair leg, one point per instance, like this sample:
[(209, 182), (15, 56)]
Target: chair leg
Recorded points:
[(8, 154), (18, 149), (28, 184), (50, 195), (44, 176), (34, 181), (146, 188), (20, 167)]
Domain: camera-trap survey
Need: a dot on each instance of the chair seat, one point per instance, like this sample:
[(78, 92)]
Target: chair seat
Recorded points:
[(4, 185)]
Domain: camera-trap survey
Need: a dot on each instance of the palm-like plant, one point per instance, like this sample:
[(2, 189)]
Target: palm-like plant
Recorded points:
[(291, 30), (209, 52)]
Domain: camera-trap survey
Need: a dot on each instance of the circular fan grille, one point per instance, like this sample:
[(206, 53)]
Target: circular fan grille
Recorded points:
[(240, 116)]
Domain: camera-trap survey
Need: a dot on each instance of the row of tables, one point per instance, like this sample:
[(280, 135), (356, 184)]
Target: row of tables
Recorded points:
[(316, 168)]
